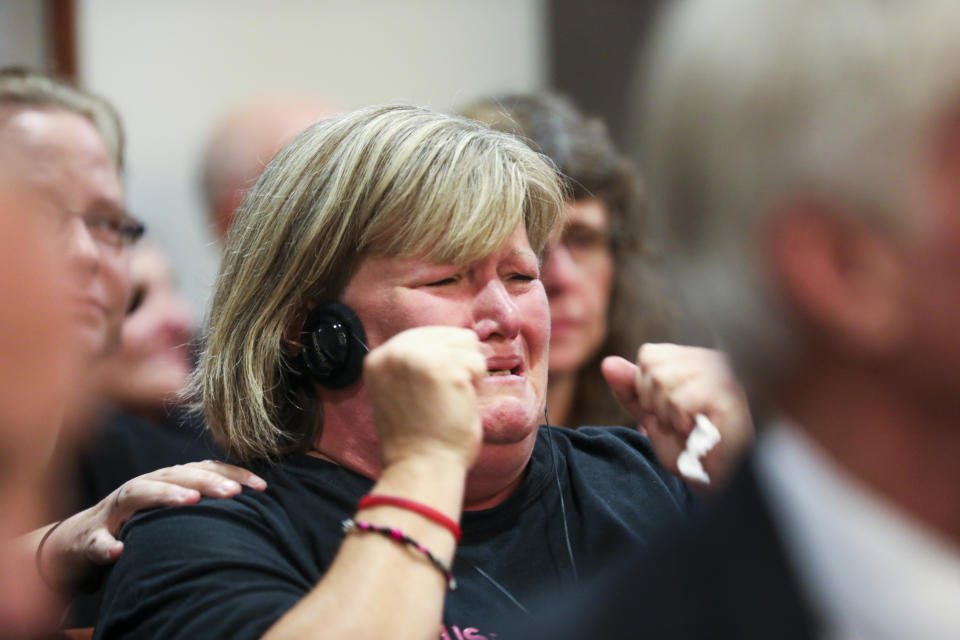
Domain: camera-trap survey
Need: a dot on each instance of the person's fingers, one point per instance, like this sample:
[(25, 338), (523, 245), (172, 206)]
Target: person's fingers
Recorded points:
[(621, 376), (654, 354), (656, 387), (102, 547), (237, 474), (421, 349), (453, 336), (423, 384), (698, 395), (145, 493), (667, 442), (474, 362), (209, 478), (474, 367), (458, 347)]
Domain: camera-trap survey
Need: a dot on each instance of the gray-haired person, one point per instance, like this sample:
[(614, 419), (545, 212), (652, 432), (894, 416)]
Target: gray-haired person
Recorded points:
[(804, 158)]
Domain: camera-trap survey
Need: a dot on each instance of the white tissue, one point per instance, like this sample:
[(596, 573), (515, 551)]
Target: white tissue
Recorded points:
[(700, 441)]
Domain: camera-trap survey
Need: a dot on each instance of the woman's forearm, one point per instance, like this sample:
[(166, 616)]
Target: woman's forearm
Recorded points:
[(377, 584)]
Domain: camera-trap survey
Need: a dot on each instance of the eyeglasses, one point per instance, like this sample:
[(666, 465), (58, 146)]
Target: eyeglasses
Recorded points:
[(112, 230)]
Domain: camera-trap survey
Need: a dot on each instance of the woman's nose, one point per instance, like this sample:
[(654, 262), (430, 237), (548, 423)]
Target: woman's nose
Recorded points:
[(496, 312)]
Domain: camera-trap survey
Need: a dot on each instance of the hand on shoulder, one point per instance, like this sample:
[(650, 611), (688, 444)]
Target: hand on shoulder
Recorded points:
[(72, 549)]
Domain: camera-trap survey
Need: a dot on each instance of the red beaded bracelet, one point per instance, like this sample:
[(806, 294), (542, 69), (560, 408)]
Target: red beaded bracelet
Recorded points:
[(402, 503)]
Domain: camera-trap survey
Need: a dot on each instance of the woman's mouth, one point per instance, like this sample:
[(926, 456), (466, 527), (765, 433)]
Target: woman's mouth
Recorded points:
[(504, 366)]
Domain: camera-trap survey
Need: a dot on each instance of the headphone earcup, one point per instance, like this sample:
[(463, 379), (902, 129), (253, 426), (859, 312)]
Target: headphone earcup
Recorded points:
[(333, 345)]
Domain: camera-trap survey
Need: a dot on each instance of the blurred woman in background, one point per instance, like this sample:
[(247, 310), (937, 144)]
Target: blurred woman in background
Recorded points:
[(146, 374)]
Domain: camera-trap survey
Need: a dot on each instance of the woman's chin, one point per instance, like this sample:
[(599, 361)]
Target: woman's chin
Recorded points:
[(509, 421)]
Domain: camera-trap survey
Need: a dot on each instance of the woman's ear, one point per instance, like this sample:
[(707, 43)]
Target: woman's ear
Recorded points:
[(291, 334), (840, 275)]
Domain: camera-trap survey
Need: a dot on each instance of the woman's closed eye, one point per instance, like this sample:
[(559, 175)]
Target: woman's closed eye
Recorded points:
[(443, 282)]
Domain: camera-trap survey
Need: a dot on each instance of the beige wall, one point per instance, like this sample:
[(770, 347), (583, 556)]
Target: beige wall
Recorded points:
[(171, 66), (22, 40)]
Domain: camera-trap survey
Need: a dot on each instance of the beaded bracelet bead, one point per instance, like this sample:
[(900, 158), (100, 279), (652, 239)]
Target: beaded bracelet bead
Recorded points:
[(396, 535)]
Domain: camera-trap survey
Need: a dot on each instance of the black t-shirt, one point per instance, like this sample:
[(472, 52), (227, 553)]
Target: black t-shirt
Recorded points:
[(231, 568)]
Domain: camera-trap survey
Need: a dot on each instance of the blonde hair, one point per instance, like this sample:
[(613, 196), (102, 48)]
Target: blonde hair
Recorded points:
[(381, 181), (22, 87)]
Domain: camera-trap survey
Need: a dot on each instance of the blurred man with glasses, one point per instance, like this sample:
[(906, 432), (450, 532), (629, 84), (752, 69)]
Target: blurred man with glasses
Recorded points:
[(64, 292)]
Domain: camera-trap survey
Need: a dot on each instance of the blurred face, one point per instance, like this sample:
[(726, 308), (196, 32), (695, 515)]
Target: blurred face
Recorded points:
[(500, 297), (62, 296), (892, 304), (257, 132), (40, 366), (578, 276), (153, 361), (69, 178)]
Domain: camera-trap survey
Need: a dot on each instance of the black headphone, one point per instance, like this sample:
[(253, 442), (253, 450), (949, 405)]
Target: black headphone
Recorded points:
[(333, 344)]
